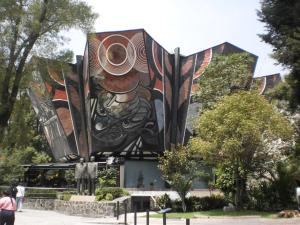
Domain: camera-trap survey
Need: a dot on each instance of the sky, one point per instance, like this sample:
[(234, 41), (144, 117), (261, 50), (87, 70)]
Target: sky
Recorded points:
[(192, 25)]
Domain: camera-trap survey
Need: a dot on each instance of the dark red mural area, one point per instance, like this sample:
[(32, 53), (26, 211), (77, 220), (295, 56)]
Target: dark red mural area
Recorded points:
[(51, 103)]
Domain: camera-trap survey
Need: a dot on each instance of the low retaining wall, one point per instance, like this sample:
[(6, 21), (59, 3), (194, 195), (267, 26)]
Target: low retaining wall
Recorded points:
[(40, 204), (91, 209), (79, 208)]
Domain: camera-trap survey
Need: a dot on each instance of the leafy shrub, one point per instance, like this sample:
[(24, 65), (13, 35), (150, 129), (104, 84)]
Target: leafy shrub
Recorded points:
[(109, 197), (66, 195), (275, 195), (108, 177), (272, 197), (70, 176), (41, 193), (163, 201), (106, 193), (201, 203), (176, 206), (206, 203)]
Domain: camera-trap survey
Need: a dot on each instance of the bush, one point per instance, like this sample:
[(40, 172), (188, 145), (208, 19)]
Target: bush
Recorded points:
[(109, 193), (206, 203), (108, 177), (41, 193), (201, 203), (275, 195), (66, 195), (272, 197), (163, 201), (109, 197), (176, 206)]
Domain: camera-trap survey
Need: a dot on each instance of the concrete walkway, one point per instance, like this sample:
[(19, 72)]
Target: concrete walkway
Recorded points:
[(39, 217)]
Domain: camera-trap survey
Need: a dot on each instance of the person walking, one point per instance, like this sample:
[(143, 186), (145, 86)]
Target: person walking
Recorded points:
[(20, 197), (8, 207)]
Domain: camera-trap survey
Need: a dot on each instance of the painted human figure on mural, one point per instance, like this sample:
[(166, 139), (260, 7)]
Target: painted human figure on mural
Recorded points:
[(123, 102), (92, 174), (80, 176)]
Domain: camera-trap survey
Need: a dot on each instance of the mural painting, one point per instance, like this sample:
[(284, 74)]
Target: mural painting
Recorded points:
[(126, 97)]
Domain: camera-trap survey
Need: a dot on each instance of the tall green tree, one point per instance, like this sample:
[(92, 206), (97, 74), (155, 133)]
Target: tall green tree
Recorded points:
[(237, 137), (23, 142), (32, 26), (180, 168), (282, 23), (225, 74)]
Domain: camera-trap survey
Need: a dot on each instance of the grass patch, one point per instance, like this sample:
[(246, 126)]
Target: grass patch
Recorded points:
[(216, 213)]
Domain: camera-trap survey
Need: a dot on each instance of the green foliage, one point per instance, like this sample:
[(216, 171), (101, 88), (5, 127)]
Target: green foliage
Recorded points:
[(22, 142), (180, 168), (217, 213), (23, 130), (66, 195), (70, 176), (41, 193), (224, 74), (278, 192), (109, 197), (108, 177), (109, 193), (11, 161), (195, 204), (274, 195), (206, 203), (225, 181), (238, 136), (33, 27), (282, 23), (163, 201), (41, 157)]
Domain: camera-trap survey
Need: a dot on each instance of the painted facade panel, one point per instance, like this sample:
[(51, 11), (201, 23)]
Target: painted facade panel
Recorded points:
[(49, 103), (125, 93)]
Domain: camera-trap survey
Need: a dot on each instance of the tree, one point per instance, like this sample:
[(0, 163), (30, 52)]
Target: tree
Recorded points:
[(32, 26), (12, 159), (23, 140), (180, 168), (225, 74), (237, 137), (282, 23)]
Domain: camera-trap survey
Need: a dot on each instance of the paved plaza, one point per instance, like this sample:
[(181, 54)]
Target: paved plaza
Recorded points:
[(39, 217)]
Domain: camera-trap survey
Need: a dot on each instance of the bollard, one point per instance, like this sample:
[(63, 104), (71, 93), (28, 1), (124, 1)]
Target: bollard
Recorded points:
[(147, 217), (164, 219), (135, 217), (118, 209), (187, 221), (125, 213)]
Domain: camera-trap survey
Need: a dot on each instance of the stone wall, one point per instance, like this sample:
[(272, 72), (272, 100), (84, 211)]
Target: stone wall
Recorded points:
[(41, 204), (91, 209), (79, 208)]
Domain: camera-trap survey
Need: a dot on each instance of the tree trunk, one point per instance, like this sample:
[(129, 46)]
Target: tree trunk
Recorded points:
[(4, 117), (183, 205), (238, 189)]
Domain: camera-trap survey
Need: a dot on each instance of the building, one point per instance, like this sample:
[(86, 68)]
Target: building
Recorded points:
[(126, 98)]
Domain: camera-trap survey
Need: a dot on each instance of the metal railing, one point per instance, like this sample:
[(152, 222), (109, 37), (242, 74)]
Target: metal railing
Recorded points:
[(135, 220)]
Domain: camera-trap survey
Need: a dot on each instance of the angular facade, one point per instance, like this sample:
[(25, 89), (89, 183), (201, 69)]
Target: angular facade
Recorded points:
[(125, 97)]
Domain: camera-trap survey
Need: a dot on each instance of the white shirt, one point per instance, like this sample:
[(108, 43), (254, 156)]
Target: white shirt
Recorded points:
[(298, 192), (21, 191)]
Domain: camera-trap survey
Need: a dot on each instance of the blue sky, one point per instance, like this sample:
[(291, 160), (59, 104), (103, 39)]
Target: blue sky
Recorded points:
[(192, 25)]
